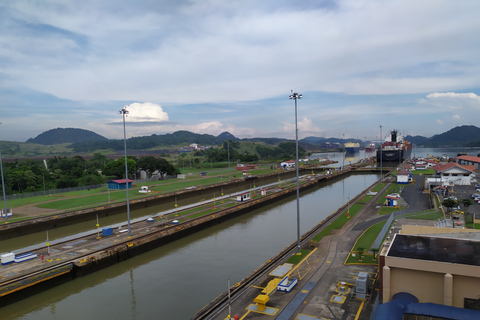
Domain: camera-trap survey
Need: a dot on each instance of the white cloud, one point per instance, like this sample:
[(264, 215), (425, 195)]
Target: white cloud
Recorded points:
[(146, 112), (439, 121), (452, 98), (456, 116)]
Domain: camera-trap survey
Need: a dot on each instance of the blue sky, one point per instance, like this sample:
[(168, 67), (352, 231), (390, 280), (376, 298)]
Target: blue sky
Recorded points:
[(210, 66)]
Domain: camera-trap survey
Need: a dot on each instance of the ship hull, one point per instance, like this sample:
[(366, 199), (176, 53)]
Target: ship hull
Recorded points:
[(394, 155), (352, 149)]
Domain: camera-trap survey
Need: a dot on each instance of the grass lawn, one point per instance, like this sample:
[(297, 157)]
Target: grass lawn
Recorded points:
[(296, 258), (426, 215), (379, 187), (365, 199), (365, 241), (388, 210), (393, 188), (367, 238), (338, 223), (367, 258), (423, 172)]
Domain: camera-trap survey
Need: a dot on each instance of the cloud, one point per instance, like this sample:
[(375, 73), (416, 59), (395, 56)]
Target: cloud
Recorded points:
[(146, 113), (439, 121), (305, 128), (452, 100), (456, 116)]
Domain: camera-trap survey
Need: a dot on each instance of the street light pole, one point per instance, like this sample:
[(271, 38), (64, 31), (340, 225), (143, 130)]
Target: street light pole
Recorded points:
[(3, 187), (381, 154), (228, 155), (124, 112), (295, 96)]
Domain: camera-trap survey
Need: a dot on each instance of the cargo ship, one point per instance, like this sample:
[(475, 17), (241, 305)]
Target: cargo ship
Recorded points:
[(352, 147), (370, 147), (395, 148)]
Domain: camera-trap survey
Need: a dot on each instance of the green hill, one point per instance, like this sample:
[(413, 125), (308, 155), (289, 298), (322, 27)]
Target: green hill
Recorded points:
[(65, 135), (456, 137)]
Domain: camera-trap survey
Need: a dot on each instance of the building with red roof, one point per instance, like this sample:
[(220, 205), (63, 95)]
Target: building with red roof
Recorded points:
[(469, 160), (119, 184), (454, 174)]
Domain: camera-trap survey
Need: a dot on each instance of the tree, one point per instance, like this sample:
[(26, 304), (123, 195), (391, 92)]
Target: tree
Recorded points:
[(117, 168), (360, 251), (98, 161), (466, 203), (374, 251), (148, 164), (449, 204)]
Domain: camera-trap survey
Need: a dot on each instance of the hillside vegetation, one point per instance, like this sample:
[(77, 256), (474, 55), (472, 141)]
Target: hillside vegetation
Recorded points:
[(65, 135)]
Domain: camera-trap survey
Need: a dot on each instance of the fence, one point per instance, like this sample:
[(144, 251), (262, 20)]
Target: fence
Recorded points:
[(386, 227), (53, 191), (72, 189)]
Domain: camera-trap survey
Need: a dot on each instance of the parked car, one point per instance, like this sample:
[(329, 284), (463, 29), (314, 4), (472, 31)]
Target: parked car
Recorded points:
[(474, 195)]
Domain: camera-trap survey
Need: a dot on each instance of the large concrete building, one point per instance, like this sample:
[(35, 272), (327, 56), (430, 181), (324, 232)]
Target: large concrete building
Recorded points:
[(433, 269)]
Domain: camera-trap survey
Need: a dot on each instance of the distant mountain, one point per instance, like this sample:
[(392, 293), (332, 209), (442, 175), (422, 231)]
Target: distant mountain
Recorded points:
[(417, 140), (88, 141), (227, 136), (456, 137), (65, 135), (154, 141)]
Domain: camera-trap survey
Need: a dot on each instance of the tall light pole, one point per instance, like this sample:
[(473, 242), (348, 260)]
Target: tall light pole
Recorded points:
[(381, 154), (228, 155), (295, 96), (124, 112), (3, 187)]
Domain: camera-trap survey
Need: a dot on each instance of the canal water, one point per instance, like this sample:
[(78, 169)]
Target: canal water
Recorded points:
[(177, 280)]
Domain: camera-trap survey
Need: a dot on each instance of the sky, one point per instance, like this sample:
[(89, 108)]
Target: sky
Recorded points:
[(210, 66)]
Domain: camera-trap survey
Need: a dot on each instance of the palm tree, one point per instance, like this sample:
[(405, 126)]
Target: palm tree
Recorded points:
[(360, 251)]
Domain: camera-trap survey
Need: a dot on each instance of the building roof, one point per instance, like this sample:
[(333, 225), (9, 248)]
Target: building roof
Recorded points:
[(459, 251), (469, 158), (443, 167), (403, 173), (120, 181)]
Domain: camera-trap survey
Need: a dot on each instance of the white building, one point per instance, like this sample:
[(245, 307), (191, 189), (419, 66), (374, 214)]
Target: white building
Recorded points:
[(288, 164), (455, 174)]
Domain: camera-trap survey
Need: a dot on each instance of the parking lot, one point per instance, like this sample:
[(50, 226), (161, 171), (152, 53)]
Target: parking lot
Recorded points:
[(464, 192)]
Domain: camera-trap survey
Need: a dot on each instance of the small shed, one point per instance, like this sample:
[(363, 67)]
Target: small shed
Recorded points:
[(119, 184), (243, 197), (403, 177), (391, 200)]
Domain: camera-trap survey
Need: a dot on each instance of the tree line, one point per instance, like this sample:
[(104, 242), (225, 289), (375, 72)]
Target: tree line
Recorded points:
[(285, 150), (65, 172)]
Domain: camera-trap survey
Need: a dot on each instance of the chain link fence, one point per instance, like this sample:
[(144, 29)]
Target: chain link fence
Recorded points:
[(72, 189)]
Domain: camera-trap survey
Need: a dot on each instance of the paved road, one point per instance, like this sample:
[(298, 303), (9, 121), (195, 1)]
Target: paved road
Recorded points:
[(415, 198)]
